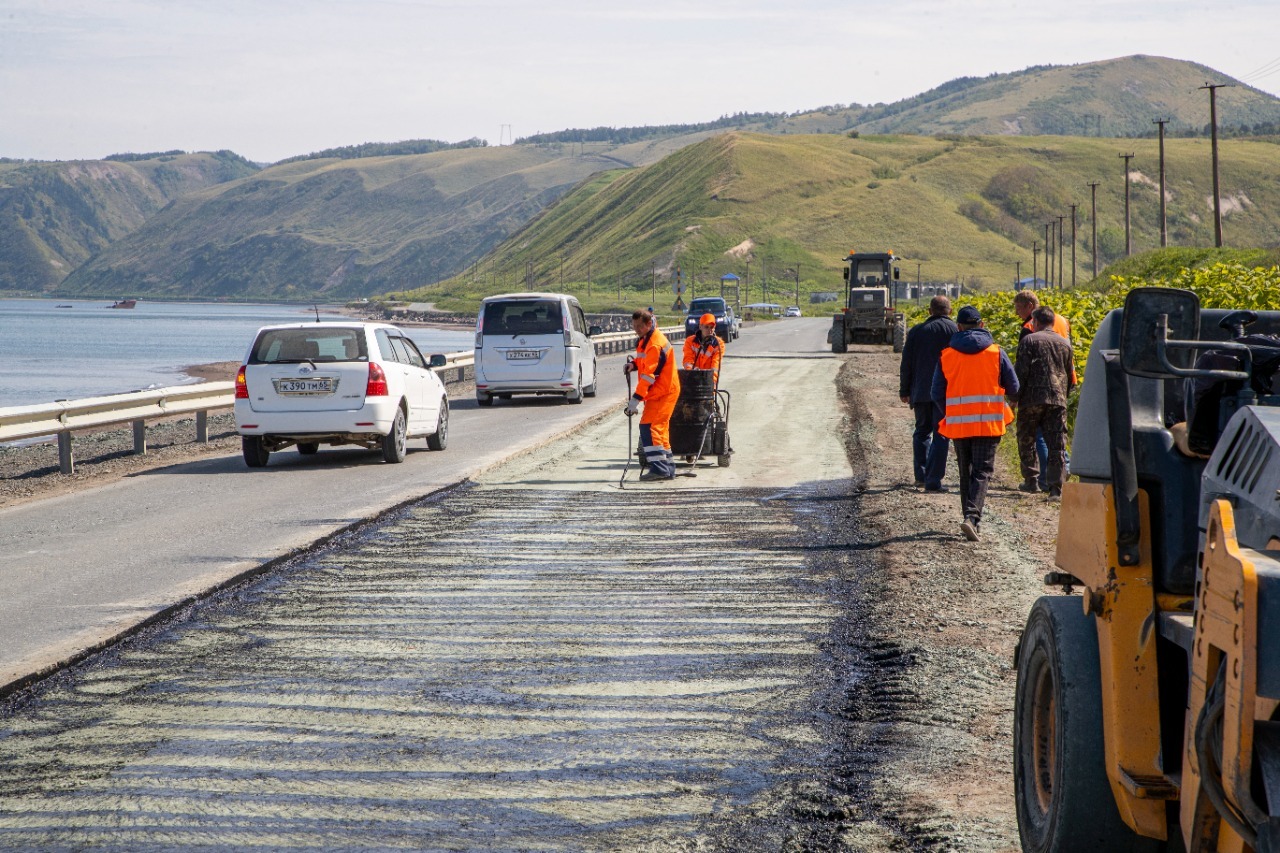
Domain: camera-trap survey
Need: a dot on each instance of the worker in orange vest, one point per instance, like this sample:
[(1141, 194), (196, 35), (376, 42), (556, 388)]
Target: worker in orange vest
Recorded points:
[(704, 350), (969, 385), (657, 388)]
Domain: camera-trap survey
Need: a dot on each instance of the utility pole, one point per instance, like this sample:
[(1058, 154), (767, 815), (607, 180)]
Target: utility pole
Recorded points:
[(562, 273), (1035, 268), (1073, 246), (1048, 255), (653, 284), (1128, 241), (588, 278), (1093, 217), (1164, 230), (1061, 254), (1213, 129), (748, 283), (1017, 274)]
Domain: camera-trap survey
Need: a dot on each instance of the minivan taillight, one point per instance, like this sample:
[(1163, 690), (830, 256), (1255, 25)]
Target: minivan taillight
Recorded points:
[(242, 387), (479, 340), (568, 338), (377, 384)]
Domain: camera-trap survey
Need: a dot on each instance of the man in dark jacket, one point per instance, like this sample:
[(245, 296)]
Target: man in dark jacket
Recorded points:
[(970, 385), (924, 344), (1045, 375)]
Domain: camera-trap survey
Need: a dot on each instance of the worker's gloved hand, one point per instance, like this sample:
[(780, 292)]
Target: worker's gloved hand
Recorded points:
[(629, 366), (633, 407)]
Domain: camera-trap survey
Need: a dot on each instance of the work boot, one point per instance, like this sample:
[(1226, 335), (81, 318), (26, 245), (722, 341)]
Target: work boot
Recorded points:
[(1029, 485), (651, 474), (1054, 493), (969, 527)]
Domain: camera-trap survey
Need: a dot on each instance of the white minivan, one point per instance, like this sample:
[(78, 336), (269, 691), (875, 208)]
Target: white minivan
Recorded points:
[(534, 343)]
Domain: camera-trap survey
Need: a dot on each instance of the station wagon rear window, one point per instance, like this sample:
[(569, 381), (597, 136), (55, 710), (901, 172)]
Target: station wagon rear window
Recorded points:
[(523, 317), (291, 346)]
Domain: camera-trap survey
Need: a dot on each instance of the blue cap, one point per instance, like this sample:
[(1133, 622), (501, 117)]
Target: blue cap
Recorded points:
[(969, 316)]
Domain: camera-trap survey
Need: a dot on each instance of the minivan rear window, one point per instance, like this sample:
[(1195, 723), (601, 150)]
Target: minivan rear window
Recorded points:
[(523, 317), (290, 346)]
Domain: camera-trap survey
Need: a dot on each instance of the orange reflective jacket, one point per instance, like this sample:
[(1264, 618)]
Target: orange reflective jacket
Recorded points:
[(975, 397), (655, 362), (703, 355)]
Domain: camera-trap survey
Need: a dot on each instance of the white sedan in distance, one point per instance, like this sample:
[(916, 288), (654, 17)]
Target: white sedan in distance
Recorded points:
[(309, 384)]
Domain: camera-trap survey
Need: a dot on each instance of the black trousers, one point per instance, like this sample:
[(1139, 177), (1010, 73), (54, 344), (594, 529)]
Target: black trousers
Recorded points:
[(976, 459)]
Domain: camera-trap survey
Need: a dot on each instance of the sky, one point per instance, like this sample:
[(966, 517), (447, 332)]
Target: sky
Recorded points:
[(270, 79)]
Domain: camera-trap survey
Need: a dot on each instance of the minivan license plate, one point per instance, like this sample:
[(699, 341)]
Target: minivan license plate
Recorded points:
[(305, 387), (523, 354)]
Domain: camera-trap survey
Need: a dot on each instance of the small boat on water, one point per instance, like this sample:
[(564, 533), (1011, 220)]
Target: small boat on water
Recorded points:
[(125, 303)]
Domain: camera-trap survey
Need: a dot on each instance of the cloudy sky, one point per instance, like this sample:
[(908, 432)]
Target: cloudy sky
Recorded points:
[(273, 78)]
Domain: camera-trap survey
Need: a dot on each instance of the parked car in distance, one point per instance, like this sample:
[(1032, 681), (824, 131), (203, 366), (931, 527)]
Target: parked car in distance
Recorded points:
[(534, 343), (336, 383), (726, 322), (792, 311)]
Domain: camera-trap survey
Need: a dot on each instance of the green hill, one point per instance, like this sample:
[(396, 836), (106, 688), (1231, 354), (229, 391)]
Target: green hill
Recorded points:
[(966, 208), (53, 216)]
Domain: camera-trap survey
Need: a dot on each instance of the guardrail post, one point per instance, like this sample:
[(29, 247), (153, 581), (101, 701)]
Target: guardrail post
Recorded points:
[(66, 461), (140, 437), (202, 427)]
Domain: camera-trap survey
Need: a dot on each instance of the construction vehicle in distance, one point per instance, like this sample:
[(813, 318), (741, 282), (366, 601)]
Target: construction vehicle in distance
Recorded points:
[(1145, 714), (870, 314)]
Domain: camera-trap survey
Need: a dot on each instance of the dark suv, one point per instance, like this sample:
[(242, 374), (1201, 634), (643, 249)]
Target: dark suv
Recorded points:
[(726, 322)]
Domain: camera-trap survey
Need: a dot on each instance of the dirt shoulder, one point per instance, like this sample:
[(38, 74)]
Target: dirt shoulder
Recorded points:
[(930, 758)]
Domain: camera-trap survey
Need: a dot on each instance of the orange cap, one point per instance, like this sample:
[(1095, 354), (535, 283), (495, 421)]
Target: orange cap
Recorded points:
[(707, 320)]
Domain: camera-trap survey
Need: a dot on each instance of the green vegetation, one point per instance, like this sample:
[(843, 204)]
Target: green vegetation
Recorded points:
[(386, 149)]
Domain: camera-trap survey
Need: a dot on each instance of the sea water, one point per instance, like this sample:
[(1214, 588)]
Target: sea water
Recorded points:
[(65, 350)]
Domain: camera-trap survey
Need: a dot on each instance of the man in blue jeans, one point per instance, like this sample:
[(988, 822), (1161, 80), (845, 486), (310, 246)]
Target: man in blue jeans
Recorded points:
[(920, 354)]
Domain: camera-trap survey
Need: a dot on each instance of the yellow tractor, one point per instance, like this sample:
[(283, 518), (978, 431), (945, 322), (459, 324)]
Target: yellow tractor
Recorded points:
[(1146, 707)]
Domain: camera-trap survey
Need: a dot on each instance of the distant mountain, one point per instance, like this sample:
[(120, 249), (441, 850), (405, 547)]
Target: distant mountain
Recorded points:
[(379, 217), (53, 216), (773, 208), (337, 228)]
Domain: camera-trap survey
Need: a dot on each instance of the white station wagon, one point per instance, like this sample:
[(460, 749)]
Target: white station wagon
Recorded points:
[(309, 384)]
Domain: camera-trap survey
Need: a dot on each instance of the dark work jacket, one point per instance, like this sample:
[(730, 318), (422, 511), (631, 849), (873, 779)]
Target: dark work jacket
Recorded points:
[(925, 342), (969, 342), (1044, 369)]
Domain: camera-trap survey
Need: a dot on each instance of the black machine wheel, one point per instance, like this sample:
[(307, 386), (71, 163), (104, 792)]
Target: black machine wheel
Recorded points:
[(308, 448), (839, 345), (723, 460), (484, 400), (439, 440), (899, 335), (254, 450), (393, 443), (1064, 801)]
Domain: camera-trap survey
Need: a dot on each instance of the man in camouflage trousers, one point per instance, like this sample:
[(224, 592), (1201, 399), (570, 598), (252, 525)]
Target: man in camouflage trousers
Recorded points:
[(1045, 376)]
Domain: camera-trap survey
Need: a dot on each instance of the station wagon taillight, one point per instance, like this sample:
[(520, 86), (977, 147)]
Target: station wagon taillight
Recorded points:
[(377, 384), (242, 387)]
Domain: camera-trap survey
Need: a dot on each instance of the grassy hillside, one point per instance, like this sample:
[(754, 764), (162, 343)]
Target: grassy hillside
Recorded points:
[(337, 228), (962, 208), (53, 216)]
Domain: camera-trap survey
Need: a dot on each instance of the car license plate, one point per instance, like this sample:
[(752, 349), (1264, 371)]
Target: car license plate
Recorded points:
[(314, 387), (523, 354)]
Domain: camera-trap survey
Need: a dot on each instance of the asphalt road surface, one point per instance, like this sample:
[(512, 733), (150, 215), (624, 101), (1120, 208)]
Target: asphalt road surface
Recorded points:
[(535, 660)]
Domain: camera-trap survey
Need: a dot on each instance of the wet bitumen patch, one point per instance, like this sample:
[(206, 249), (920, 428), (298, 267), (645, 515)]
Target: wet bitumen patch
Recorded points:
[(493, 669)]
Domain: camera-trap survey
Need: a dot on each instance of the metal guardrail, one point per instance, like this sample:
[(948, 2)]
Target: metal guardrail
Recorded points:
[(63, 417)]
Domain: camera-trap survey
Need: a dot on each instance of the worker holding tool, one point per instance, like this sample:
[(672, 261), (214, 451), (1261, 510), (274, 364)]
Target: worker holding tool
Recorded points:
[(658, 388), (704, 350)]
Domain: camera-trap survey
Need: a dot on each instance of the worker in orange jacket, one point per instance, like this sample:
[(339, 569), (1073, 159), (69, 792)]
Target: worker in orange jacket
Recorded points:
[(704, 350), (969, 385), (657, 388)]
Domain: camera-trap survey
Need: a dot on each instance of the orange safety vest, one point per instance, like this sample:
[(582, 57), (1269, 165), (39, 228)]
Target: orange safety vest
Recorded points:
[(700, 355), (975, 398), (1061, 328), (656, 365)]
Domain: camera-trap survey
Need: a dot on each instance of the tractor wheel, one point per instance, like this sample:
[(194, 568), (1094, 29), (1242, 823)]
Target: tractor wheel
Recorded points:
[(899, 335), (1063, 798)]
